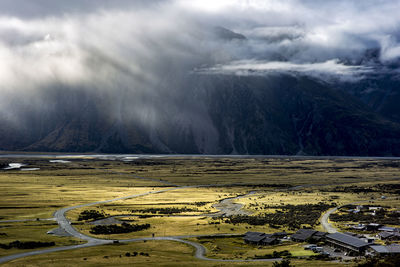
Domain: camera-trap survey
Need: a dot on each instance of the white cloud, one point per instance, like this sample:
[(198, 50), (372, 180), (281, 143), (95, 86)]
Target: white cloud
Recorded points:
[(331, 68), (139, 52)]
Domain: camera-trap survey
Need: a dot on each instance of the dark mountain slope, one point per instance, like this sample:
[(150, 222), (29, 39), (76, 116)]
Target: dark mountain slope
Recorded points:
[(287, 115), (216, 114)]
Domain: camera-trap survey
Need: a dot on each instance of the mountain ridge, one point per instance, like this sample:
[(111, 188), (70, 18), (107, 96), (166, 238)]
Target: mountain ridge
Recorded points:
[(222, 114)]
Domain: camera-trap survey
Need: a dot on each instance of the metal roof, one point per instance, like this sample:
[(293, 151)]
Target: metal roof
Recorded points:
[(394, 248), (318, 233), (385, 234), (347, 239), (380, 249), (387, 229), (303, 234), (254, 236), (253, 233)]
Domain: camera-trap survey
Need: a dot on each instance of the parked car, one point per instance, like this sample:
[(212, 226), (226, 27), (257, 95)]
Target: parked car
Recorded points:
[(311, 246), (317, 249)]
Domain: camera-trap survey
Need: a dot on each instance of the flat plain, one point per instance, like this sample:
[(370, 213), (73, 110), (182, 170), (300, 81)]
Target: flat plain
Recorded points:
[(187, 205)]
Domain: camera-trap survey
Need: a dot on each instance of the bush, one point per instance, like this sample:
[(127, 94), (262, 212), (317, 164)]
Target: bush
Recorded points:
[(91, 215), (287, 215), (171, 210), (283, 263), (27, 245), (118, 229), (275, 254), (392, 261)]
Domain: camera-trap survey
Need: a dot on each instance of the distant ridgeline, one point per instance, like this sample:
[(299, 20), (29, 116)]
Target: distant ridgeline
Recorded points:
[(222, 114)]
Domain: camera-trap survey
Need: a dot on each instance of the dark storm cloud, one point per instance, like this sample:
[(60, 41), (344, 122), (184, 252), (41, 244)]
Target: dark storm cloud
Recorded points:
[(143, 52)]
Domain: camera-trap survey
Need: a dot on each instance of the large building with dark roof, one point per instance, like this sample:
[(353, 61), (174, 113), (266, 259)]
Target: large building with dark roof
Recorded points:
[(303, 235), (347, 243), (386, 250), (258, 238)]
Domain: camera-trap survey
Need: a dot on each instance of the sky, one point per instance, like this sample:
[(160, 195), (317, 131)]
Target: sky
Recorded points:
[(62, 39), (144, 51)]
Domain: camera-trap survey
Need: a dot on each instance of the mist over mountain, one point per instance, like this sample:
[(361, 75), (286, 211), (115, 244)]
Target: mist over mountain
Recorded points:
[(215, 77)]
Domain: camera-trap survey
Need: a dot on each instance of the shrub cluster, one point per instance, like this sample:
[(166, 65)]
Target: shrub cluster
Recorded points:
[(171, 210), (27, 245), (292, 216), (381, 216), (118, 229), (275, 254), (391, 261), (91, 215)]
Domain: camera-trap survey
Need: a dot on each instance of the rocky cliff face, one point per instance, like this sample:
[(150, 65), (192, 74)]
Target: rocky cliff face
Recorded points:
[(221, 114), (287, 115)]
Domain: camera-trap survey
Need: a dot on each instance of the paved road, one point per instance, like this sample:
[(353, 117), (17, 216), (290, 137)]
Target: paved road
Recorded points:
[(49, 250), (324, 218), (200, 250), (65, 224), (324, 221)]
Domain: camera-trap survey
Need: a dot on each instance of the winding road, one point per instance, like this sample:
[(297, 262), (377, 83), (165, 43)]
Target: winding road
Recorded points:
[(324, 220), (65, 225), (328, 227)]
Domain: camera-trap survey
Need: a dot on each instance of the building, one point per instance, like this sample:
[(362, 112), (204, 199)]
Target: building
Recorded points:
[(388, 229), (385, 250), (318, 236), (303, 234), (374, 208), (267, 241), (359, 227), (373, 226), (257, 238), (389, 236), (254, 238), (280, 234), (347, 243)]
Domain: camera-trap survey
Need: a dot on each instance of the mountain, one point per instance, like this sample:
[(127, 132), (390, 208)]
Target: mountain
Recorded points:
[(221, 114)]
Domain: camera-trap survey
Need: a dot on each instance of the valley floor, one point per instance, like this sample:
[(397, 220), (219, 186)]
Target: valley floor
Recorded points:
[(193, 211)]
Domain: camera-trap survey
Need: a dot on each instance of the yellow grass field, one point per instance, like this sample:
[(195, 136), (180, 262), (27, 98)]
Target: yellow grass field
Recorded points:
[(161, 253), (267, 181)]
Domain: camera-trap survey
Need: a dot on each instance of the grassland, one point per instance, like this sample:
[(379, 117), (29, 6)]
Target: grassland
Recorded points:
[(31, 231), (272, 181), (258, 171), (161, 253), (235, 248)]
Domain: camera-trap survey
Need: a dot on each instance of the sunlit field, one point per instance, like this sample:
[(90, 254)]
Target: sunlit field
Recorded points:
[(186, 206)]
